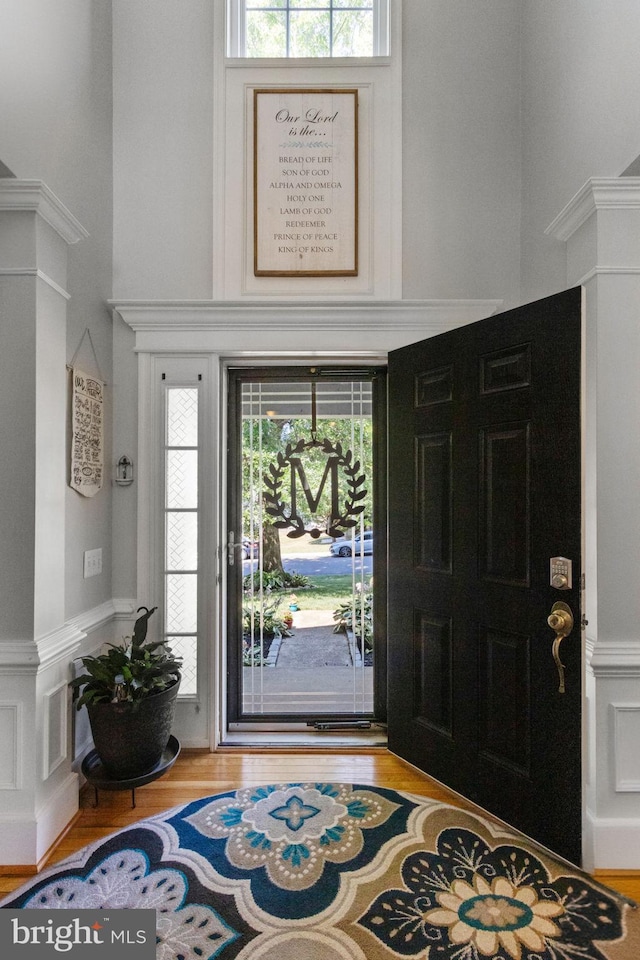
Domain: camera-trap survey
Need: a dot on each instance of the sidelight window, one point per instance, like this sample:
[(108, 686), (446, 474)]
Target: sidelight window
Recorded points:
[(181, 530)]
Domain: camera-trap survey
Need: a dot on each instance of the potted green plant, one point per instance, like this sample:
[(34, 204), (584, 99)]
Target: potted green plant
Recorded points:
[(130, 694), (357, 619)]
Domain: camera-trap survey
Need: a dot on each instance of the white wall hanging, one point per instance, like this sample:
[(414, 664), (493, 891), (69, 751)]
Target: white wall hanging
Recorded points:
[(87, 441)]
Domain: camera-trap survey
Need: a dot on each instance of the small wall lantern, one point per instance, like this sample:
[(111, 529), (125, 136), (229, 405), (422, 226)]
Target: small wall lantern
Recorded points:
[(124, 471)]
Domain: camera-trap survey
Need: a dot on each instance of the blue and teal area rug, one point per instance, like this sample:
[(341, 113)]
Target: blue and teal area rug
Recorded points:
[(330, 871)]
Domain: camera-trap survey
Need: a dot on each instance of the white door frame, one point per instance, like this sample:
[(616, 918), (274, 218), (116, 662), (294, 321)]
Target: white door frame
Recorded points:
[(215, 334)]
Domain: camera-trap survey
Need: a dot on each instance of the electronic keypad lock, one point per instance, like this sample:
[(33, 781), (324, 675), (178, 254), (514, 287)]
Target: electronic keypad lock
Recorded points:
[(560, 573)]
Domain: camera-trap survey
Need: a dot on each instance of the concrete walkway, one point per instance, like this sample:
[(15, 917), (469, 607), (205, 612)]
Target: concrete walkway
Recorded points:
[(313, 673), (313, 643)]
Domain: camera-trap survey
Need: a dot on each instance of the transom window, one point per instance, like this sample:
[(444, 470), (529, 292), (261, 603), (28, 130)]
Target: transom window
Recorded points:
[(308, 28)]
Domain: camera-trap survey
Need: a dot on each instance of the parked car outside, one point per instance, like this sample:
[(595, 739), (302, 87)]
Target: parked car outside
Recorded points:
[(344, 546), (250, 548)]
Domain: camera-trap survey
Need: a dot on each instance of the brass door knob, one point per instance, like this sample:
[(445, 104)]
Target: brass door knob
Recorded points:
[(561, 622)]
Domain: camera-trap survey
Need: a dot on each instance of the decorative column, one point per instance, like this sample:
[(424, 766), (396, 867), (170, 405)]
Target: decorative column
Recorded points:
[(38, 790), (601, 227)]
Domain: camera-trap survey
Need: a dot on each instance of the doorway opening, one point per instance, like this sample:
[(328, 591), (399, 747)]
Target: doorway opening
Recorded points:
[(306, 579)]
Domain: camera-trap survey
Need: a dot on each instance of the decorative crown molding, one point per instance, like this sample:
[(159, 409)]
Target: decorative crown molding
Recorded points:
[(231, 315), (36, 197), (598, 193)]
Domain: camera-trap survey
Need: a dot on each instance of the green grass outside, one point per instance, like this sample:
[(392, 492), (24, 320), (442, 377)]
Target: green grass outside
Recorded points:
[(327, 593)]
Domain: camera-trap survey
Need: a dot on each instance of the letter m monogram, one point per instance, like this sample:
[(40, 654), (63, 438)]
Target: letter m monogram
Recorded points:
[(298, 472)]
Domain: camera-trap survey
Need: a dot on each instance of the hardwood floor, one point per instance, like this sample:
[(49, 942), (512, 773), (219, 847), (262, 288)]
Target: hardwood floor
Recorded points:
[(198, 773)]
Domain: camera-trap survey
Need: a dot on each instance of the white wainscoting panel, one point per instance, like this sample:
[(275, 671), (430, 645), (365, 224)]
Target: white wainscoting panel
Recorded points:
[(56, 711), (10, 736), (626, 728)]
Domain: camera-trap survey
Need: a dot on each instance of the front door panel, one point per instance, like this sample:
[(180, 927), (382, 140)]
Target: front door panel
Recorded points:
[(485, 473)]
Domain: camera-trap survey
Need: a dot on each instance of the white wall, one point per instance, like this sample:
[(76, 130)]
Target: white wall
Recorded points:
[(55, 105), (580, 116), (461, 149), (163, 148), (163, 197)]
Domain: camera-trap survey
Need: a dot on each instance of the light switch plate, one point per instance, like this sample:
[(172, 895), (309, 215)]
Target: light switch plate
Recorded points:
[(92, 562)]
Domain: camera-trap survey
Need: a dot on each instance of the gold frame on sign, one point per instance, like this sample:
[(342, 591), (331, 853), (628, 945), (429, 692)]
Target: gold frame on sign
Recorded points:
[(349, 269)]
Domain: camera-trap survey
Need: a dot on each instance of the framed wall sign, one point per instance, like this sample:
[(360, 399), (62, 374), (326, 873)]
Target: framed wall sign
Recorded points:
[(305, 182)]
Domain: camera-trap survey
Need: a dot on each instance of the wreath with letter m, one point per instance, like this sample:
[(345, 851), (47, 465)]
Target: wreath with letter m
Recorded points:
[(346, 515)]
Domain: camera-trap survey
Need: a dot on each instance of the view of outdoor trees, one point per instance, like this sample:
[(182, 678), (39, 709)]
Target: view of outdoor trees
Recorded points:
[(309, 28)]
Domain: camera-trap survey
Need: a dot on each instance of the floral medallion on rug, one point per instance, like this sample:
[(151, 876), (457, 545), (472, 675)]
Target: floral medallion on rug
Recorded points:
[(335, 871)]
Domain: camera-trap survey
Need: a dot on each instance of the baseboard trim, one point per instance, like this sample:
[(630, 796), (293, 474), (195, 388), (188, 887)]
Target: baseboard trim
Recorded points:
[(54, 816), (56, 843), (25, 843), (31, 869), (612, 844)]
